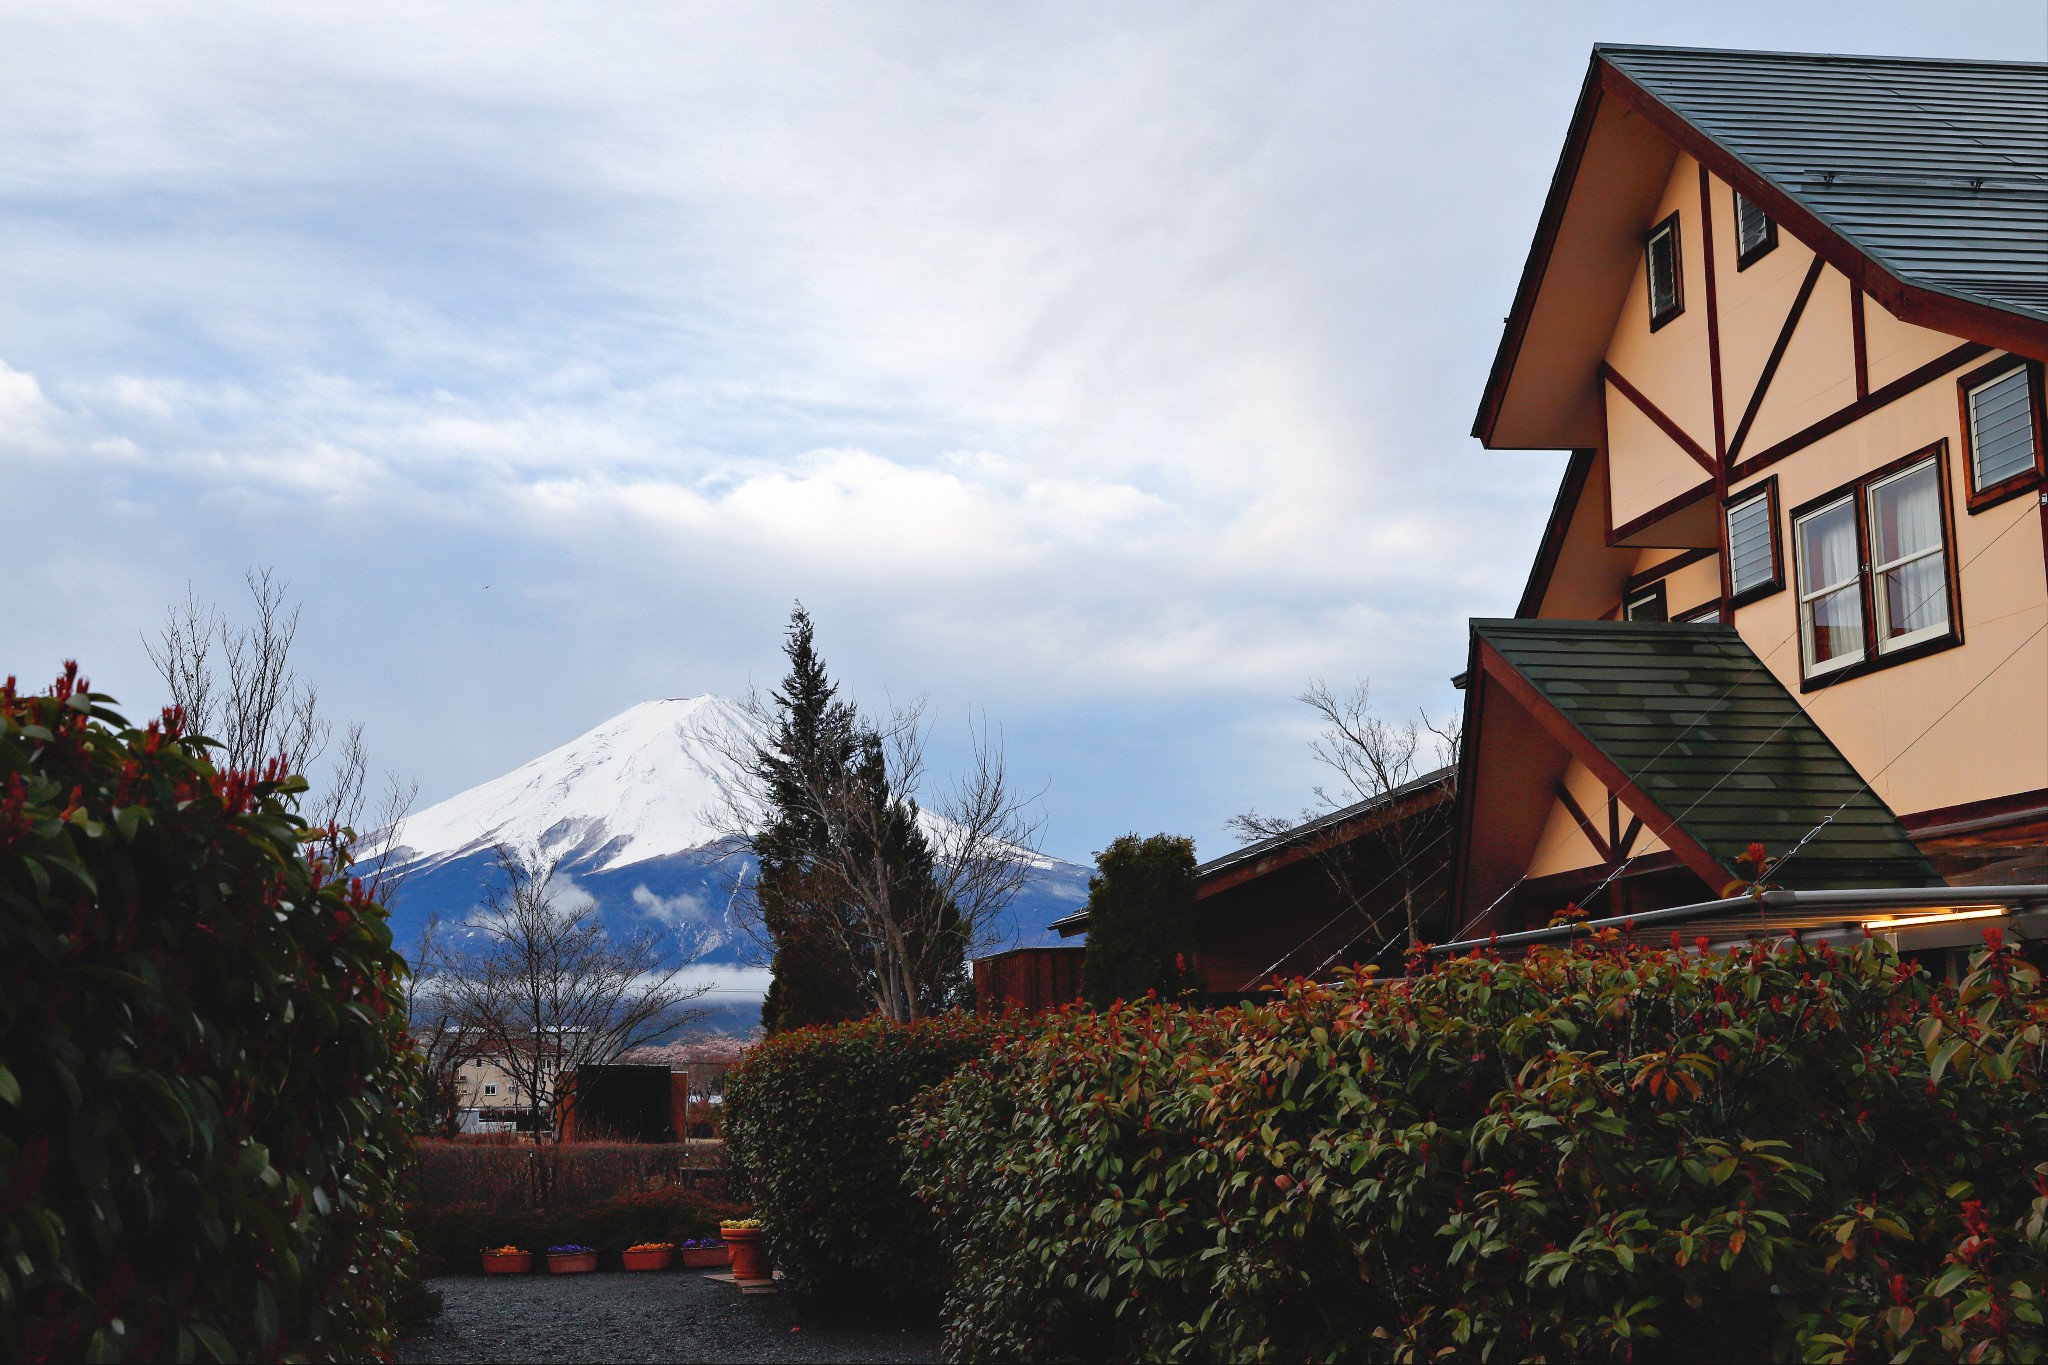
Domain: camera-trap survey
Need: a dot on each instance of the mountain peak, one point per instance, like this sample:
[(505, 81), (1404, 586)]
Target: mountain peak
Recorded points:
[(644, 784)]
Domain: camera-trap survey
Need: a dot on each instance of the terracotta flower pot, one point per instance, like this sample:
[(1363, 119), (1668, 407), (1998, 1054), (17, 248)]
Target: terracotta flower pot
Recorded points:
[(498, 1263), (704, 1258), (648, 1260), (749, 1253), (575, 1263)]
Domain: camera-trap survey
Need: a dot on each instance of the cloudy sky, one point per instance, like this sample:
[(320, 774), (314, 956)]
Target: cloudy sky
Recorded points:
[(1104, 366)]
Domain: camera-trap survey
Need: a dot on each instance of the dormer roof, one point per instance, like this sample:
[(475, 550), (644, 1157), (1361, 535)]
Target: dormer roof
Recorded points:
[(1924, 181)]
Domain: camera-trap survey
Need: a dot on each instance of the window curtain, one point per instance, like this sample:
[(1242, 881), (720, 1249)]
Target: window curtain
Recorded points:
[(1828, 555), (1908, 517)]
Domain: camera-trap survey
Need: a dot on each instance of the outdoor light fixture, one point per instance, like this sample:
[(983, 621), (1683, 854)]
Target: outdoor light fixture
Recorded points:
[(1976, 912)]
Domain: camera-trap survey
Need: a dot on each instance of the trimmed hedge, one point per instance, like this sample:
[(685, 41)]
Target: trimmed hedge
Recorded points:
[(499, 1176), (451, 1237), (1587, 1154), (202, 1058), (811, 1118)]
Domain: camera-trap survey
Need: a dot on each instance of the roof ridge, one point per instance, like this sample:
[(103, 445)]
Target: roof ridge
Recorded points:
[(1610, 48)]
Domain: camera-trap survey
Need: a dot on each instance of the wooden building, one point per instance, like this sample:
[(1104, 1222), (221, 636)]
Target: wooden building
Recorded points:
[(1788, 314), (1334, 891)]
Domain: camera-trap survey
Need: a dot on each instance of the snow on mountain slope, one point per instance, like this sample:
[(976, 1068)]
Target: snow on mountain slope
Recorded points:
[(627, 809), (639, 786)]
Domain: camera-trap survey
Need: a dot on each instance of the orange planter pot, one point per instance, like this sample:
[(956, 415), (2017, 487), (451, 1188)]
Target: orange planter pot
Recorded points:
[(648, 1260), (582, 1263), (508, 1265), (749, 1253), (704, 1258)]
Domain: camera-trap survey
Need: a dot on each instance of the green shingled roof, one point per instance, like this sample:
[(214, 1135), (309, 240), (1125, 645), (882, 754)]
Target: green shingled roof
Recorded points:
[(1695, 720)]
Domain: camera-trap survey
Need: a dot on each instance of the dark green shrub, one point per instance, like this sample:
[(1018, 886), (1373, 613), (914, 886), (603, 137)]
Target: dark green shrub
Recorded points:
[(450, 1237), (202, 1058), (1590, 1154), (1141, 919), (811, 1121)]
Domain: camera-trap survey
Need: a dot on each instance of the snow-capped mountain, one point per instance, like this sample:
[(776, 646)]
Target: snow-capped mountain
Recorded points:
[(644, 784), (631, 810)]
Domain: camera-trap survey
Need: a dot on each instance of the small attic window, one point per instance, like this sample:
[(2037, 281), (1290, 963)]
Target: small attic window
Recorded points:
[(1755, 233), (1667, 292)]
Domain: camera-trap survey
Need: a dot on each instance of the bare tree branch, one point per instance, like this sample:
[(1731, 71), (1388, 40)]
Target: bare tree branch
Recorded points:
[(1374, 759), (549, 990)]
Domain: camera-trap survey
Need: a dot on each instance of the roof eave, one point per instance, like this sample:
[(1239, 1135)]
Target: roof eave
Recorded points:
[(1547, 225)]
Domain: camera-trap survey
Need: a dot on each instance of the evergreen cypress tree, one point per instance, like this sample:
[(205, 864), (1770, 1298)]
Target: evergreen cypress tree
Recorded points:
[(1141, 919), (812, 749)]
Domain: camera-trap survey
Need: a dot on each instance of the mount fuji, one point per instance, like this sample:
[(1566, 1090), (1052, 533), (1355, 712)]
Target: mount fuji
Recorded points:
[(627, 808)]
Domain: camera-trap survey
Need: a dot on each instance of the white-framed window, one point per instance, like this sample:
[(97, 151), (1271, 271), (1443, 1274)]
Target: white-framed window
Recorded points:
[(1999, 413), (1755, 233), (1753, 542), (1908, 565), (1664, 265), (1873, 566), (1830, 587), (490, 1089)]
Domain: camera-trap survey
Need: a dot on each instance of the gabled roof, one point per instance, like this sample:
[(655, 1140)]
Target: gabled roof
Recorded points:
[(1935, 170), (1924, 181), (1686, 719), (1304, 840)]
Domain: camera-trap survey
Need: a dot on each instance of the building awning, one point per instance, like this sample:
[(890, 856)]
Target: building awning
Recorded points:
[(1690, 730)]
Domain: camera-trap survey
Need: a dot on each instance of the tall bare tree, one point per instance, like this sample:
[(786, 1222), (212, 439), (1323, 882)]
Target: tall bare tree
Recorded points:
[(1376, 760), (238, 686), (235, 682), (548, 990)]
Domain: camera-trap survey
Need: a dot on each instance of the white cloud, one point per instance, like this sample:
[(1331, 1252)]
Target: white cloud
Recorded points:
[(675, 911), (1108, 366)]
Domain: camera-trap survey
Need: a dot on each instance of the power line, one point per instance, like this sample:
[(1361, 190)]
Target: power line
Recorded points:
[(1623, 867)]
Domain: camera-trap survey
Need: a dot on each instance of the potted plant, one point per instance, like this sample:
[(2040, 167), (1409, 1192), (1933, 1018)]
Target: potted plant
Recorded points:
[(571, 1259), (507, 1260), (703, 1255), (649, 1256), (749, 1253)]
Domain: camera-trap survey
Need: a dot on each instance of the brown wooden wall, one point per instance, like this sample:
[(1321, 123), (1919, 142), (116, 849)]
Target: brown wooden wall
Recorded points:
[(1029, 979)]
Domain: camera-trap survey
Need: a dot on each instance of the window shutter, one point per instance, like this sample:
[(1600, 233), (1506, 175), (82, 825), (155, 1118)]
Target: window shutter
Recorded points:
[(1663, 274), (2001, 429), (1752, 226), (1750, 560)]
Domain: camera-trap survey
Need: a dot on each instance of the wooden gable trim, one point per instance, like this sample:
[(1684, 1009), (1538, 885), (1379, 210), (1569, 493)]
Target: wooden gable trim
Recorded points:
[(1909, 302), (1713, 316), (1683, 559), (1857, 411), (1658, 416), (1603, 847), (1778, 348), (1860, 340), (1655, 818)]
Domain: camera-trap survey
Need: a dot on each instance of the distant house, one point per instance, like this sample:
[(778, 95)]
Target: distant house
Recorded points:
[(1789, 314), (1334, 891)]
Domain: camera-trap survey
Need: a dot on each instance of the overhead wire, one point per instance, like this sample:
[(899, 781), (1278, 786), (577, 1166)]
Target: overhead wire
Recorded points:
[(1621, 868)]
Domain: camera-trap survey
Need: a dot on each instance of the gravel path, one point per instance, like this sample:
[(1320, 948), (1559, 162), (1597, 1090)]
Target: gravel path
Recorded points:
[(656, 1316)]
